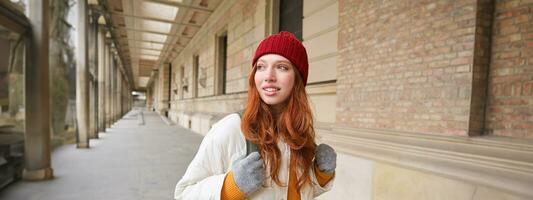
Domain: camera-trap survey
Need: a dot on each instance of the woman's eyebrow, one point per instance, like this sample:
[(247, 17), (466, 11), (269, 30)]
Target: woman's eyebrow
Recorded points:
[(276, 61)]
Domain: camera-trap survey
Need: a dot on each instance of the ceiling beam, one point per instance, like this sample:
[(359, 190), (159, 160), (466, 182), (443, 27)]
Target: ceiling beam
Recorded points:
[(137, 50), (147, 41), (154, 32), (137, 47), (154, 42), (147, 54), (146, 65), (162, 52), (180, 5), (153, 19)]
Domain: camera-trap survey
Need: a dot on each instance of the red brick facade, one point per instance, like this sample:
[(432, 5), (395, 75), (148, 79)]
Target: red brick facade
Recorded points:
[(510, 102), (421, 66)]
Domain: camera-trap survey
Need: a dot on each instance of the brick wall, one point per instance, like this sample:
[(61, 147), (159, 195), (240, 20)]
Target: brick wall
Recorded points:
[(406, 65), (510, 96)]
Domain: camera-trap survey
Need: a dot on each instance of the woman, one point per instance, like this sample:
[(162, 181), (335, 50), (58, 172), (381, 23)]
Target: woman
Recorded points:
[(278, 119)]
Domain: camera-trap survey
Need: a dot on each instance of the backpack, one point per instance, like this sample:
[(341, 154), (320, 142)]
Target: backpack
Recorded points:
[(250, 146)]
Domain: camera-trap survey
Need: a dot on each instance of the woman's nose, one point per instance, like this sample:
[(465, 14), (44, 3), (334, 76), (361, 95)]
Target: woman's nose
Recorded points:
[(270, 75)]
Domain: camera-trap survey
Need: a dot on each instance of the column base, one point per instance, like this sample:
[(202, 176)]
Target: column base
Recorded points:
[(38, 175), (93, 136), (82, 145)]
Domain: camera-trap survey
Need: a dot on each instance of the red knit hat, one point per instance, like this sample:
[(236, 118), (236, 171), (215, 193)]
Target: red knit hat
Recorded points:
[(285, 44)]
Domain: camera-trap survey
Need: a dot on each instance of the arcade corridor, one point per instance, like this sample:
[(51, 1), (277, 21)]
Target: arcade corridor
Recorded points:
[(132, 160), (109, 99)]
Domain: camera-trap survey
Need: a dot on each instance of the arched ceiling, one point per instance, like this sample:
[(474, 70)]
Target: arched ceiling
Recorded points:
[(151, 32)]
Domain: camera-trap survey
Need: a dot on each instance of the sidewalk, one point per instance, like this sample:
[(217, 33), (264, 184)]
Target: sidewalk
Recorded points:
[(129, 161)]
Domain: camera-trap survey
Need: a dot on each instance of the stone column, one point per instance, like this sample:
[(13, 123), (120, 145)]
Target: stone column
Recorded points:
[(101, 76), (107, 85), (113, 89), (82, 82), (127, 93), (117, 95), (121, 100), (37, 164), (125, 101), (93, 71), (148, 98), (118, 114), (118, 92), (92, 105)]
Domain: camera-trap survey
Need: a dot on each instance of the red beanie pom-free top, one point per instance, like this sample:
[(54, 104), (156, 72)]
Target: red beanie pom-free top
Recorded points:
[(287, 45)]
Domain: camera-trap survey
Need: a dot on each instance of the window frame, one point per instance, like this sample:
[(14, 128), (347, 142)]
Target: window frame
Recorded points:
[(195, 74), (221, 62), (16, 21)]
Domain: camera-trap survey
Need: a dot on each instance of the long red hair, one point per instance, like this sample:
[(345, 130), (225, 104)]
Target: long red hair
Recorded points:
[(294, 125)]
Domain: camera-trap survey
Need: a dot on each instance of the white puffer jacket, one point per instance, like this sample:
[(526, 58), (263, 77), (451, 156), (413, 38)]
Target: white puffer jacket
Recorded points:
[(222, 145)]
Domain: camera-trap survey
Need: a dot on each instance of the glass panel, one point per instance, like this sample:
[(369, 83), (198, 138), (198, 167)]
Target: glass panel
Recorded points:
[(20, 5), (12, 64), (290, 17), (156, 10)]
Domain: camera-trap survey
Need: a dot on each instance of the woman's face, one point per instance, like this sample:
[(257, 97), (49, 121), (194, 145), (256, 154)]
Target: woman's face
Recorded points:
[(274, 78)]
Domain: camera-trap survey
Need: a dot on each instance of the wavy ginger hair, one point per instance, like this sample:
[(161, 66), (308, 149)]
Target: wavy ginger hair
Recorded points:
[(294, 125)]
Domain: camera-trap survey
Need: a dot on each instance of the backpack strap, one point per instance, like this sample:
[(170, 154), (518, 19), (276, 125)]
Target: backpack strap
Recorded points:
[(250, 146)]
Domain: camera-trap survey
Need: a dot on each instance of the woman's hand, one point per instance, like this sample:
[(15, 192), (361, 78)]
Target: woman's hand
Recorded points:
[(249, 173), (326, 158)]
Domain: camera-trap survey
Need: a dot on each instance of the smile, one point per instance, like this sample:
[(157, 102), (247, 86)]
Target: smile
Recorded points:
[(271, 91)]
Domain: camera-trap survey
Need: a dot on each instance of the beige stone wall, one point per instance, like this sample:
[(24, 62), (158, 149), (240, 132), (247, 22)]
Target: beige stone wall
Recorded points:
[(391, 182), (245, 30), (353, 179), (245, 26), (365, 179), (320, 31), (245, 23)]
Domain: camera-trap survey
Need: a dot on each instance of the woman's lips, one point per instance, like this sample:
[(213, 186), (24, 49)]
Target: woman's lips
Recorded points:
[(271, 91)]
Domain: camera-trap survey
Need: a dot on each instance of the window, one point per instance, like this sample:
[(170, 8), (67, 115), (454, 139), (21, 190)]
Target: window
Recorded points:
[(12, 73), (195, 75), (183, 83), (20, 6), (221, 63), (170, 80), (291, 16)]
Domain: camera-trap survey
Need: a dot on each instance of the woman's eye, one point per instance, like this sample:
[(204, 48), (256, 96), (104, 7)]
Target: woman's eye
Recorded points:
[(260, 67), (283, 67)]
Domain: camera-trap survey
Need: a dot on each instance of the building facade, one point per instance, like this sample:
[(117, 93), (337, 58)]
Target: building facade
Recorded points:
[(421, 99)]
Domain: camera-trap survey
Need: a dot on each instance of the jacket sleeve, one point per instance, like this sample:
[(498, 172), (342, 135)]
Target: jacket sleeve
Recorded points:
[(205, 175), (317, 189)]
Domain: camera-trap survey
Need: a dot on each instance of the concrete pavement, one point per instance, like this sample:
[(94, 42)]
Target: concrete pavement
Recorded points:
[(131, 160)]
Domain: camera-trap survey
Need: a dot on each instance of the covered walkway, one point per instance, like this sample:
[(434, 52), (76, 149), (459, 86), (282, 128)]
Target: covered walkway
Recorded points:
[(135, 159)]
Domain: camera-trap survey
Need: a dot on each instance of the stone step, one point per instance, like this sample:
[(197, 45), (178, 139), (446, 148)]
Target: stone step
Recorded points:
[(11, 158)]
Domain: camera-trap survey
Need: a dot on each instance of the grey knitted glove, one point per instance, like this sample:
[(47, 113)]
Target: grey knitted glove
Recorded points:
[(326, 158), (249, 173)]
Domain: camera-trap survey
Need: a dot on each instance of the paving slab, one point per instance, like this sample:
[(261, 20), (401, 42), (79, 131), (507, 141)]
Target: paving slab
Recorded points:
[(131, 160)]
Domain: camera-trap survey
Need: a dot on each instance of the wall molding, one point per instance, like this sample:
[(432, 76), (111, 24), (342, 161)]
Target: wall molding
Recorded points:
[(501, 163), (322, 88)]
